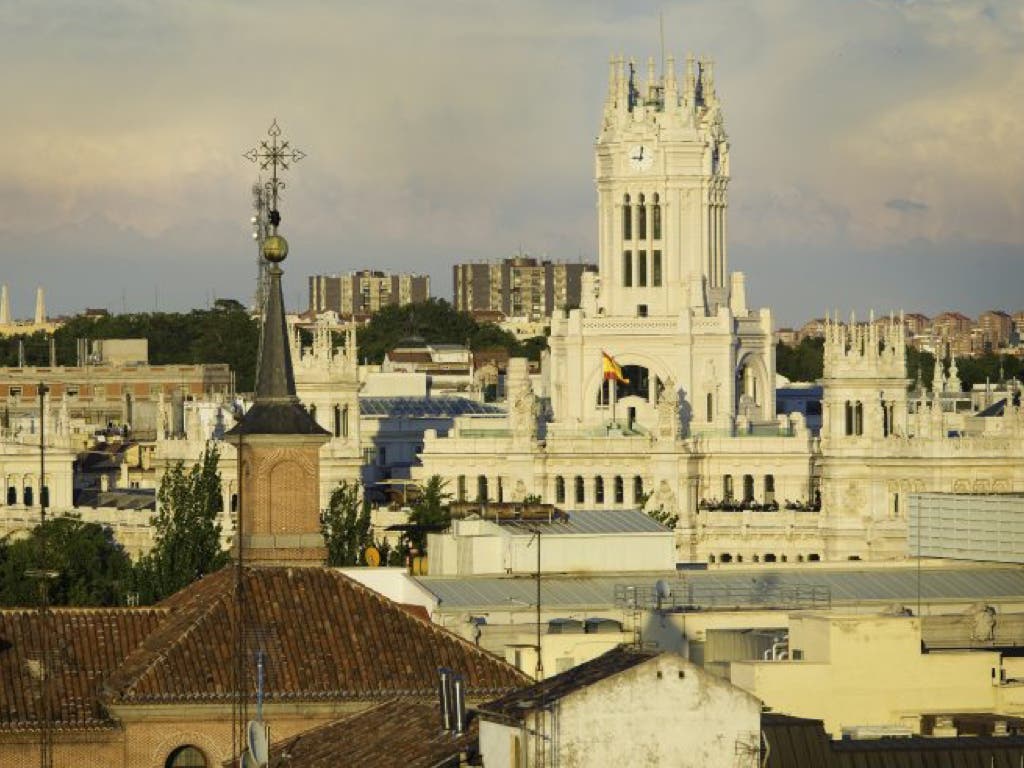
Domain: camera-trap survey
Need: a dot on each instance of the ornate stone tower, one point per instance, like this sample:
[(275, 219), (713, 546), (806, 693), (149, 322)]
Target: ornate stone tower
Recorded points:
[(662, 175), (278, 441), (665, 305), (865, 381)]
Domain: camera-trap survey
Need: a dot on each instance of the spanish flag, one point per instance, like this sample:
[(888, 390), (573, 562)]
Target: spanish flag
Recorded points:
[(612, 370)]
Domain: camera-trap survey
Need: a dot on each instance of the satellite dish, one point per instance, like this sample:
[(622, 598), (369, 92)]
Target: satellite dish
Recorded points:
[(662, 589), (372, 556), (258, 741)]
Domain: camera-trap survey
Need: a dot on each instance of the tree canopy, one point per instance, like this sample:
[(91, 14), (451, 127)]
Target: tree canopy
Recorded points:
[(91, 567), (225, 334), (346, 525), (429, 510), (436, 321), (187, 533)]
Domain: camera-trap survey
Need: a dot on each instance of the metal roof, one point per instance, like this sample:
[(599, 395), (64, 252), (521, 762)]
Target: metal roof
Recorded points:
[(426, 407), (846, 587), (589, 521)]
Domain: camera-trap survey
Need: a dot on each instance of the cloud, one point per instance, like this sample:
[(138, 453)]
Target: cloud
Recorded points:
[(903, 205), (438, 132)]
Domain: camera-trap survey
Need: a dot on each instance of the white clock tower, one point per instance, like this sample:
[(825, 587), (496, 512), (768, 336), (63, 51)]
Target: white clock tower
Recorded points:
[(665, 305)]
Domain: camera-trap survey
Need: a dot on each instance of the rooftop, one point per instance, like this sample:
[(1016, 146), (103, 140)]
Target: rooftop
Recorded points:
[(426, 407)]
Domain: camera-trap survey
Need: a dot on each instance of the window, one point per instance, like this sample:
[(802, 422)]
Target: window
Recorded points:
[(748, 488), (15, 393), (12, 495), (858, 418), (641, 310), (620, 490), (579, 489), (560, 490), (627, 219), (26, 496), (337, 421), (656, 219), (769, 558), (186, 757), (344, 421), (639, 382), (461, 486), (848, 420), (234, 502), (638, 490), (769, 489), (641, 269), (501, 491), (44, 495), (72, 390), (481, 488), (727, 489), (711, 407), (627, 269), (599, 490), (813, 558), (725, 558), (641, 219), (656, 269)]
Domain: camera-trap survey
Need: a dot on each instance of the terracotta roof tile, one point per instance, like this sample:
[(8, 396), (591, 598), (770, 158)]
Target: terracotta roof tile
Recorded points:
[(397, 732), (86, 646), (325, 637)]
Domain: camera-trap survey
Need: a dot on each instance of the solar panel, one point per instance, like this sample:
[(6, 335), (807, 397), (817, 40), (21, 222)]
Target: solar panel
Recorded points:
[(446, 406)]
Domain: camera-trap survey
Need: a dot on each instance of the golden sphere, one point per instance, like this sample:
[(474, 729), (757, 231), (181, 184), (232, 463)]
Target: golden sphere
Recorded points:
[(275, 249)]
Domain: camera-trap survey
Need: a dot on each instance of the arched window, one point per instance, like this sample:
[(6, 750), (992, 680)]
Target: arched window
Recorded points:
[(344, 421), (579, 489), (656, 219), (234, 502), (481, 488), (711, 408), (769, 558), (639, 385), (12, 495), (599, 490), (501, 491), (337, 421), (620, 490), (460, 488), (858, 418), (748, 488), (656, 268), (186, 757), (727, 489), (769, 489), (641, 269), (27, 496), (627, 219), (44, 496), (725, 558), (638, 490), (627, 269), (711, 559), (848, 421), (559, 490), (641, 219)]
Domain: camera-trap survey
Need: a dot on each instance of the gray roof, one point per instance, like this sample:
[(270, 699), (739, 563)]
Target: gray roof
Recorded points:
[(589, 521), (744, 588)]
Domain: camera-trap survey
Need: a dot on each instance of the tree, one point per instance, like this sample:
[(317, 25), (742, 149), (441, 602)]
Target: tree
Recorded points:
[(346, 526), (430, 510), (92, 568), (187, 532), (659, 513), (803, 362)]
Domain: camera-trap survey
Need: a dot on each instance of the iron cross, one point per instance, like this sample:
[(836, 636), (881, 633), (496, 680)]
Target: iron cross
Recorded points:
[(275, 154)]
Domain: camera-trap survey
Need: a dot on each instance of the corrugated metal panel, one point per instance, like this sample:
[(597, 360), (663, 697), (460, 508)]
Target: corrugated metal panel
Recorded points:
[(846, 587), (590, 521)]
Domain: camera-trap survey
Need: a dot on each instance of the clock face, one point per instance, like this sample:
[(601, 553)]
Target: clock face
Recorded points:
[(641, 157)]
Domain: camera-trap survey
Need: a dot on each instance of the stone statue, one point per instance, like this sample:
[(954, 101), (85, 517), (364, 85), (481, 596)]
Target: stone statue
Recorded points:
[(668, 411)]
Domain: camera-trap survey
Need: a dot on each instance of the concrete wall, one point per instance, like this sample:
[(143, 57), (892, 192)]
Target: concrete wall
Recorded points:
[(663, 712)]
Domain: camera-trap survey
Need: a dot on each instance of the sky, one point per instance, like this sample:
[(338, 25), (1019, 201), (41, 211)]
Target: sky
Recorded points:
[(876, 150)]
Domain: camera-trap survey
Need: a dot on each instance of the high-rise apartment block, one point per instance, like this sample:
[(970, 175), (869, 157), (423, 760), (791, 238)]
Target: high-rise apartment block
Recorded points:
[(360, 294), (519, 287)]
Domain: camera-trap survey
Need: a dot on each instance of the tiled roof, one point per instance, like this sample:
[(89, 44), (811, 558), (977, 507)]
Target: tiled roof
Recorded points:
[(325, 636), (397, 732), (794, 742), (541, 695), (86, 645)]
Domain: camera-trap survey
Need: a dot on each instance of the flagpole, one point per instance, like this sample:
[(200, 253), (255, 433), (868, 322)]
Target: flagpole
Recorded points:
[(613, 396)]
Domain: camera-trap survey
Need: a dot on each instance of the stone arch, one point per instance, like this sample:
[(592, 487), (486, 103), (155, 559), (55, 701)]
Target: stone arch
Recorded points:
[(752, 395), (162, 751), (658, 373)]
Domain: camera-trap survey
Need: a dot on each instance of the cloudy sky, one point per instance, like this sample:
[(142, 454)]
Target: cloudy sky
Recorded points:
[(877, 153)]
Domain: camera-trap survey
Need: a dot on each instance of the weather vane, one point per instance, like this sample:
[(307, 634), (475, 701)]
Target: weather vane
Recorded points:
[(273, 155)]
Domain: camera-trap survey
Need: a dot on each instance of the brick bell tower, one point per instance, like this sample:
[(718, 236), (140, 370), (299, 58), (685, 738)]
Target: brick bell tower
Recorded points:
[(278, 441)]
